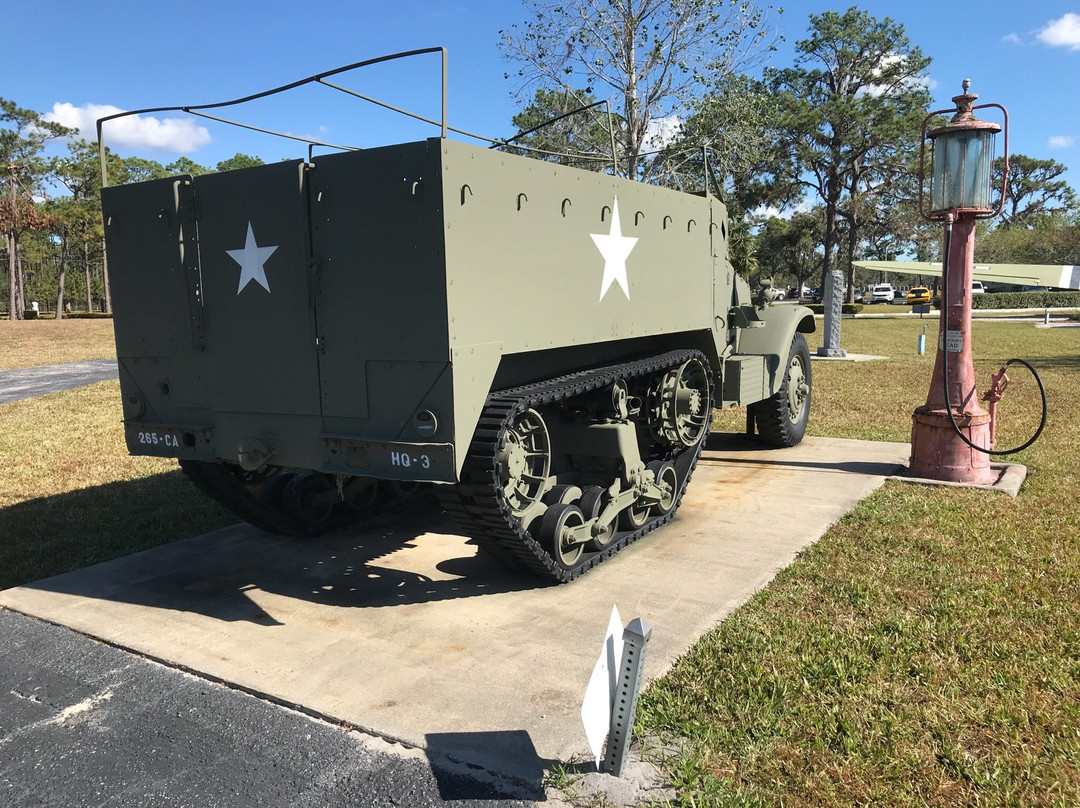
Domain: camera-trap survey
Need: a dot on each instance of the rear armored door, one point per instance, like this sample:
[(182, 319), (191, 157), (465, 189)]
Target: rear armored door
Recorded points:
[(256, 277)]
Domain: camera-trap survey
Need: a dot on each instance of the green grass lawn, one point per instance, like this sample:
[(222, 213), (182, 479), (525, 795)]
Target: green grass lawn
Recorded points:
[(29, 343), (70, 495), (926, 651)]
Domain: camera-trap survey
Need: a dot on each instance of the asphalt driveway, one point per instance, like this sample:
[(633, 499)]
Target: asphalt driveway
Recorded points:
[(30, 382), (84, 723)]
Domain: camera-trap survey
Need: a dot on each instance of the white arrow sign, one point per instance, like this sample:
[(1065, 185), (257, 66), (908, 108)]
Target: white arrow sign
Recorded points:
[(600, 694)]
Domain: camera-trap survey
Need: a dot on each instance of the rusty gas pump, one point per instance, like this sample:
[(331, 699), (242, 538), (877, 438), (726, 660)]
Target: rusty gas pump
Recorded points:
[(952, 436)]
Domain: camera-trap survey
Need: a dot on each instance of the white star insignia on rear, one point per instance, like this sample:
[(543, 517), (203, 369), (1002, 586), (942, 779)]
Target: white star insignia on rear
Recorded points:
[(615, 248), (251, 259)]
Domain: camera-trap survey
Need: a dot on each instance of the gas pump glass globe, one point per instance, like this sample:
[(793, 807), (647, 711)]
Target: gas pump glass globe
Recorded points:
[(961, 176)]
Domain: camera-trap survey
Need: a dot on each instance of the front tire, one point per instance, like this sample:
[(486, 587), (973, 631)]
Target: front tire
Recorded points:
[(782, 418)]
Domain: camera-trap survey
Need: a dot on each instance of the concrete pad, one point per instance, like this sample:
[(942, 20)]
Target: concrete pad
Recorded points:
[(398, 627)]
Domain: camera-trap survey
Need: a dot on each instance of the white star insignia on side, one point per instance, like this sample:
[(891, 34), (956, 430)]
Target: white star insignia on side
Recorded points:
[(251, 259), (615, 248)]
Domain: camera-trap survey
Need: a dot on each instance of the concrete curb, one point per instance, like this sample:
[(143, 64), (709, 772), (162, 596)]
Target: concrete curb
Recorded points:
[(1010, 477), (851, 357)]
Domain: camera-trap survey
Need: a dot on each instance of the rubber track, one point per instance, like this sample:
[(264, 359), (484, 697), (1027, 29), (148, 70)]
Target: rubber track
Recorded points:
[(218, 481), (477, 503)]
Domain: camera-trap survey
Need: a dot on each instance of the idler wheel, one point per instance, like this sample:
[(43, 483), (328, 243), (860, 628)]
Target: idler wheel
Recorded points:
[(555, 533)]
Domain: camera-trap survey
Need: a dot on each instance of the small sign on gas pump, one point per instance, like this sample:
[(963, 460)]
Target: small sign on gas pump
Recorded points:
[(952, 341)]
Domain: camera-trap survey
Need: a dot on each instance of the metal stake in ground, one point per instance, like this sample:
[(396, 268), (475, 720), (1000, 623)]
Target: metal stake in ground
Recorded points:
[(628, 684)]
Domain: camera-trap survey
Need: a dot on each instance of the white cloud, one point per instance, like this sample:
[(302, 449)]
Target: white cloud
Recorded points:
[(888, 60), (1060, 141), (769, 211), (1064, 32), (169, 135), (1012, 39), (661, 131)]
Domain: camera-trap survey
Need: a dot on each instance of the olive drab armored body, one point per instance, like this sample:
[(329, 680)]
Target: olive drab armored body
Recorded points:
[(544, 344)]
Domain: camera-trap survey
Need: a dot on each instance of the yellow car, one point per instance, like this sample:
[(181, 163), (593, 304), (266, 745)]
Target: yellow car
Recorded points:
[(918, 294)]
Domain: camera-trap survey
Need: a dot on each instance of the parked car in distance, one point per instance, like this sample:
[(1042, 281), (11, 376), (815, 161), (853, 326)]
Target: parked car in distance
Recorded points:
[(977, 288), (917, 295), (882, 293), (816, 295)]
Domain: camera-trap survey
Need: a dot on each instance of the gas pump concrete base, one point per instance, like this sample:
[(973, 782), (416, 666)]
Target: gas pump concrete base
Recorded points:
[(1005, 478), (1010, 476)]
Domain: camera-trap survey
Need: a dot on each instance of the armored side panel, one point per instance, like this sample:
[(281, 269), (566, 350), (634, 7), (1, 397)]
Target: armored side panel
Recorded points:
[(552, 269)]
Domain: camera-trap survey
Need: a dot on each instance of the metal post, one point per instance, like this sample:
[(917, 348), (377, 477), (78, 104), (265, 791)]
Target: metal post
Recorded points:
[(611, 137), (444, 80), (101, 157), (705, 163), (627, 686)]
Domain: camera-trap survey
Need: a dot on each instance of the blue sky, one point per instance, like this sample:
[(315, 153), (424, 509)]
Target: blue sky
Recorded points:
[(130, 55)]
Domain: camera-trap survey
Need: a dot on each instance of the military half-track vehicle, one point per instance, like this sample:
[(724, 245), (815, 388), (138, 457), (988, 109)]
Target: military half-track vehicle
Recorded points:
[(544, 344)]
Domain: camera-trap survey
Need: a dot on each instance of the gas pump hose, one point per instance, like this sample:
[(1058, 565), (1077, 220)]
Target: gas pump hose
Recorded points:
[(945, 361)]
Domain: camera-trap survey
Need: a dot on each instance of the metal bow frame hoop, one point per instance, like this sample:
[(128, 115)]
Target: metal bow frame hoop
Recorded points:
[(318, 78)]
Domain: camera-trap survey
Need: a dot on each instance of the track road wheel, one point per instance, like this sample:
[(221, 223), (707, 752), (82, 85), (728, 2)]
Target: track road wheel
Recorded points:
[(592, 502), (634, 516), (562, 494), (309, 498), (555, 533), (272, 491), (404, 489), (361, 493), (781, 419), (668, 481)]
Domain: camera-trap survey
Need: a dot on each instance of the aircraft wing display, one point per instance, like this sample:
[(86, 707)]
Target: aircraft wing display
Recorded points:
[(1063, 277)]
